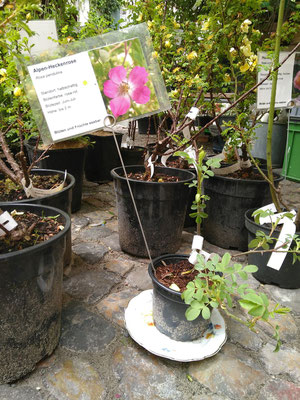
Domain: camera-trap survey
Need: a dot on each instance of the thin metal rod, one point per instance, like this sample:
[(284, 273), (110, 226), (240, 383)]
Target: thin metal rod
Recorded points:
[(132, 197)]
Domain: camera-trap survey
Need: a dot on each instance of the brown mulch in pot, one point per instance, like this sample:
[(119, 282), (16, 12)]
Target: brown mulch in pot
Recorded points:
[(157, 177), (180, 273), (9, 191), (248, 173), (32, 229)]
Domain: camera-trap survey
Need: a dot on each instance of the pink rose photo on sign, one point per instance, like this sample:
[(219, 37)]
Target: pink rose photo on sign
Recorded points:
[(124, 79)]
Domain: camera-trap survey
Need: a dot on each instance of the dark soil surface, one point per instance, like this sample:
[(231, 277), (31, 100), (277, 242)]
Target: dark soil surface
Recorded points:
[(32, 229), (247, 173), (157, 177), (9, 191), (180, 273)]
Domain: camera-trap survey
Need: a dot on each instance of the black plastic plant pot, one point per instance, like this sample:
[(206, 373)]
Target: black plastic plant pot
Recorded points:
[(102, 157), (61, 200), (133, 156), (169, 308), (161, 206), (70, 159), (230, 198), (148, 124), (31, 298), (288, 276)]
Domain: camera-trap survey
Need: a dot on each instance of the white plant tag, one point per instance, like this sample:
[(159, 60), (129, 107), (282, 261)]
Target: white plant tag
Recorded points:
[(288, 229), (186, 132), (205, 254), (193, 257), (197, 242), (151, 164), (193, 113), (165, 157), (8, 222)]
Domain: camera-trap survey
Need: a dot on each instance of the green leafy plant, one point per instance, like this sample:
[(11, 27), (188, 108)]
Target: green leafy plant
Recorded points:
[(216, 286), (268, 241), (203, 171)]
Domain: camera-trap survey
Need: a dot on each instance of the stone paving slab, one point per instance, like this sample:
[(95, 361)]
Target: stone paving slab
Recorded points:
[(97, 360)]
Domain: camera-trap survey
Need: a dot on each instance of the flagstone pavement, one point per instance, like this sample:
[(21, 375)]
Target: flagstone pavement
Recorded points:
[(96, 358)]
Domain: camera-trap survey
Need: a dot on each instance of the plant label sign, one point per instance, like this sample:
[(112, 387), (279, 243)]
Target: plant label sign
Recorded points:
[(69, 96), (78, 91), (284, 82)]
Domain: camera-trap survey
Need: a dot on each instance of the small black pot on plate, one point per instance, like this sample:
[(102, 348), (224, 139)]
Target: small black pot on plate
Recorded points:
[(169, 308)]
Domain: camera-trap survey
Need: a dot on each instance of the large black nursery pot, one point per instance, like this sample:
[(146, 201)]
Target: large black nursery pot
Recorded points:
[(169, 308), (102, 157), (288, 276), (31, 298), (133, 155), (230, 198), (148, 124), (70, 159), (61, 200), (161, 206)]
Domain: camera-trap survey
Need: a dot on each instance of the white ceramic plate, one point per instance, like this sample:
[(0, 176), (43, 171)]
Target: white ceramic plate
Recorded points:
[(139, 323)]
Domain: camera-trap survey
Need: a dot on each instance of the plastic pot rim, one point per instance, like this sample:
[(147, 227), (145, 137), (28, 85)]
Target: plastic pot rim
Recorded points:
[(252, 226), (277, 178), (54, 171), (116, 175), (154, 279)]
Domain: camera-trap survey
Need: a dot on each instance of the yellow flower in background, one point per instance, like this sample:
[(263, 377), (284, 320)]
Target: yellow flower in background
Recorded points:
[(245, 25), (252, 61), (163, 27), (3, 74), (155, 54), (17, 91), (192, 55), (227, 78), (246, 50), (150, 24), (233, 52), (246, 41), (245, 67), (179, 50), (205, 25), (168, 43), (140, 17), (176, 70), (176, 25)]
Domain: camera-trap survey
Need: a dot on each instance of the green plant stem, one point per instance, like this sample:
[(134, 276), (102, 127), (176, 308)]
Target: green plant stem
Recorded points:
[(240, 320), (272, 106)]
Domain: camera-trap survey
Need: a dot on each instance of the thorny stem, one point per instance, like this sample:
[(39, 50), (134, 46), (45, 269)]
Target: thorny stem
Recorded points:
[(21, 158)]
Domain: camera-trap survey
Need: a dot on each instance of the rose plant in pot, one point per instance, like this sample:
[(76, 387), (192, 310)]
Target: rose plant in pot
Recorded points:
[(186, 289)]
